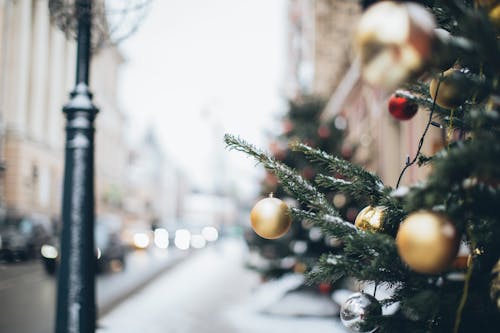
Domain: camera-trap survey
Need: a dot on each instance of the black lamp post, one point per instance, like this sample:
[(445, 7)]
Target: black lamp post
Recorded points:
[(76, 310)]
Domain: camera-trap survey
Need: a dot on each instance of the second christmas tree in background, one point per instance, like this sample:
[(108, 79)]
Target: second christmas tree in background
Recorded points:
[(299, 249)]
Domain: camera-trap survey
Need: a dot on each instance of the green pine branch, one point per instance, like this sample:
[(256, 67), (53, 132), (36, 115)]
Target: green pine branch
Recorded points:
[(297, 186), (330, 224), (352, 172)]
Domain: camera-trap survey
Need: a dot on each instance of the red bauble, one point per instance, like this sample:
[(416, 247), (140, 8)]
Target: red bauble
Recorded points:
[(323, 131), (401, 108), (325, 288)]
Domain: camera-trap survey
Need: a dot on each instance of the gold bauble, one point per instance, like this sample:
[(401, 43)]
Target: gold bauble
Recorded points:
[(370, 218), (495, 285), (394, 42), (299, 268), (453, 91), (270, 218), (494, 16), (427, 242)]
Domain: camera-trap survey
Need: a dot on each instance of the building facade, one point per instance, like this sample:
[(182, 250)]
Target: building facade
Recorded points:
[(319, 44), (321, 62), (156, 187), (37, 72)]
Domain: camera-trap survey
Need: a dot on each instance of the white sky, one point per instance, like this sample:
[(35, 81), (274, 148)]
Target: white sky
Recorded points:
[(197, 69)]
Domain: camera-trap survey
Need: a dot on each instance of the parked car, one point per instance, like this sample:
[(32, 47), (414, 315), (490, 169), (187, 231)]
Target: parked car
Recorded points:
[(22, 237), (110, 251)]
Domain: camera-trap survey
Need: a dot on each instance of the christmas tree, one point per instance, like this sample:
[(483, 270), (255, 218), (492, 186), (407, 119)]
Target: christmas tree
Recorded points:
[(446, 57), (302, 245)]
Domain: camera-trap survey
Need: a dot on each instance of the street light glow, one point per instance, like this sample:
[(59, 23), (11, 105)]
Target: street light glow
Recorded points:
[(198, 242), (141, 240), (161, 238), (182, 239), (210, 234), (49, 251)]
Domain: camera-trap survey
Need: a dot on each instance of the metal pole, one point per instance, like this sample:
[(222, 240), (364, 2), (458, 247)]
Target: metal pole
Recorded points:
[(76, 310)]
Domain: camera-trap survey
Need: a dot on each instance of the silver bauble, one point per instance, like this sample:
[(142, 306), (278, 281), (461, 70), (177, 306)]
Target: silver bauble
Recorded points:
[(356, 309)]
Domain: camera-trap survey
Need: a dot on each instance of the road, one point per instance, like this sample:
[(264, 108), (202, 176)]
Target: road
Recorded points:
[(28, 294), (212, 292)]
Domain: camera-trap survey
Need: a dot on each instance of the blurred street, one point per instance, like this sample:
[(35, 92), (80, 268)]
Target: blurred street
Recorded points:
[(210, 292), (28, 292)]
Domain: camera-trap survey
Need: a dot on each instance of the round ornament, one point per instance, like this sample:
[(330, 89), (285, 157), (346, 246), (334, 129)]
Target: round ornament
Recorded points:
[(270, 218), (370, 218), (453, 91), (356, 309), (325, 288), (323, 131), (494, 16), (495, 285), (299, 268), (394, 41), (427, 241), (401, 108)]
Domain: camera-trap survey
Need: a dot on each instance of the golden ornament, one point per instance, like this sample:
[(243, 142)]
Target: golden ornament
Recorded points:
[(427, 242), (370, 218), (270, 218), (299, 268), (453, 90), (394, 42), (495, 285), (494, 16)]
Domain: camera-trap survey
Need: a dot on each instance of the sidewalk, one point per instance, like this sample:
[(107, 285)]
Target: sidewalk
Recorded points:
[(210, 292), (141, 268)]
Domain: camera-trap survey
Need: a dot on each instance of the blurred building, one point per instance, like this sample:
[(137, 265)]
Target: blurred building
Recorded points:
[(321, 62), (111, 150), (300, 48), (156, 187), (37, 71), (319, 44), (207, 209)]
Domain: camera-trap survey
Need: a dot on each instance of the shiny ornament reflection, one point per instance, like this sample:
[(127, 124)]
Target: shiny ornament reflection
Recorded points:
[(402, 108), (270, 218), (427, 242), (370, 218), (356, 309), (394, 42), (454, 89)]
